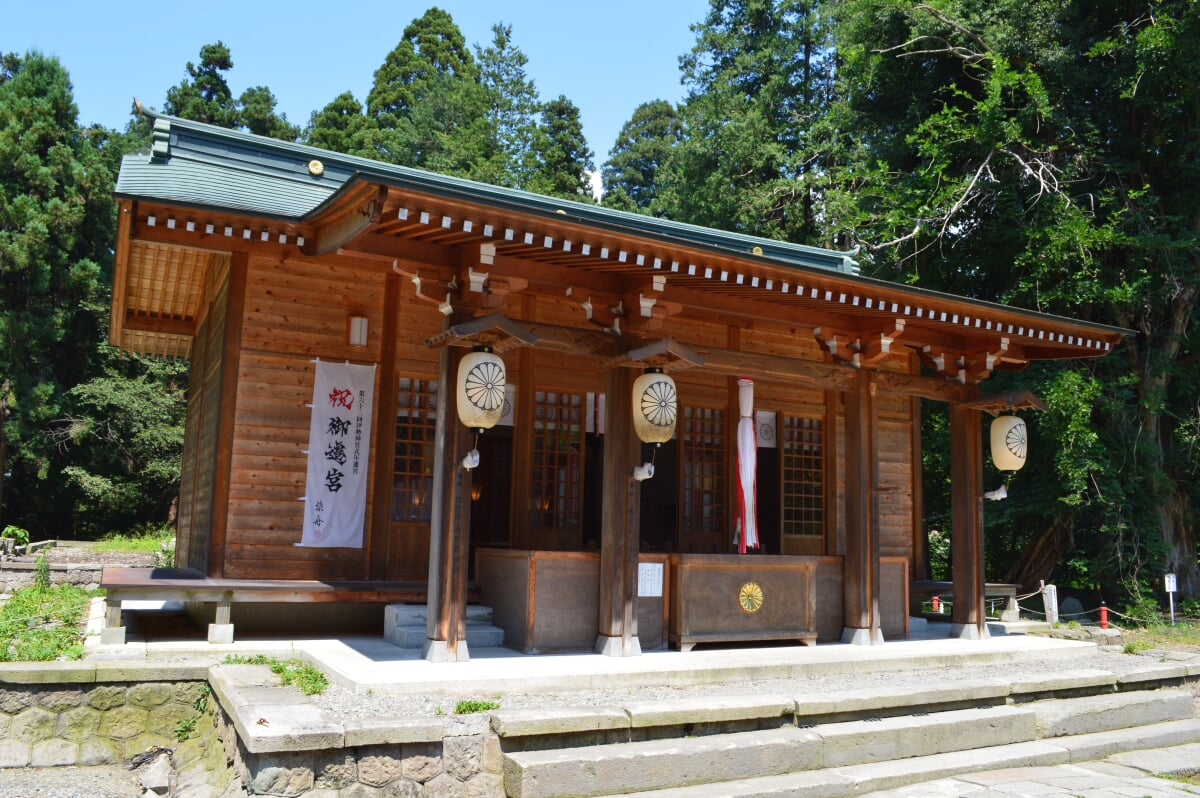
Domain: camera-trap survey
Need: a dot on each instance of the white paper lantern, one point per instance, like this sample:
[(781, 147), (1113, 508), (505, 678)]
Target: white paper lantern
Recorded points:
[(1008, 443), (480, 389), (654, 407)]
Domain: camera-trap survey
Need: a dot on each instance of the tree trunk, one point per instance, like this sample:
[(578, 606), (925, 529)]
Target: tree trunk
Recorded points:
[(1042, 553), (4, 387)]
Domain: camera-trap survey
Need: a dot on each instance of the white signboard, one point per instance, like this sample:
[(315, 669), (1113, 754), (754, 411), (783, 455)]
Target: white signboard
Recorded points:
[(339, 440), (1169, 583), (650, 579)]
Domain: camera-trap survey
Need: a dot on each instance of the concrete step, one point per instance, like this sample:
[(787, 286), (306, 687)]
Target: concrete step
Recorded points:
[(658, 764), (404, 625), (896, 774), (1098, 713)]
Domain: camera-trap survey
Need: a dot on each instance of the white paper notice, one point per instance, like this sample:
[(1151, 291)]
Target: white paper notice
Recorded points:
[(650, 579)]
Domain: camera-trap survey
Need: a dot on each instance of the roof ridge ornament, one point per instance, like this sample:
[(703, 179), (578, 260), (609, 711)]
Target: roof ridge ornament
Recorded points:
[(160, 144)]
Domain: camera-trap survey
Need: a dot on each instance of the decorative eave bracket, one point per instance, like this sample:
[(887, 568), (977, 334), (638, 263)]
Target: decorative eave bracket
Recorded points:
[(667, 354), (1013, 400), (496, 330)]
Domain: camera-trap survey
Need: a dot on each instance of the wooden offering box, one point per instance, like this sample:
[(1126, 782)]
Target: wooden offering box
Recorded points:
[(741, 598), (542, 599)]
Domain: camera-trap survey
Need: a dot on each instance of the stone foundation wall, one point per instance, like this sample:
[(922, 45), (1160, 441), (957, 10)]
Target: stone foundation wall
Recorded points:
[(90, 724), (467, 765), (59, 713), (16, 575)]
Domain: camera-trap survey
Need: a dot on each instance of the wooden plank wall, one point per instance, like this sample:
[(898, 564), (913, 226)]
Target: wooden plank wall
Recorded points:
[(198, 469), (295, 311)]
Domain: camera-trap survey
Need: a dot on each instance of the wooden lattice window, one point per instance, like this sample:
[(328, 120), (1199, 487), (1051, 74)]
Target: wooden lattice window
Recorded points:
[(556, 488), (703, 478), (412, 468), (803, 464)]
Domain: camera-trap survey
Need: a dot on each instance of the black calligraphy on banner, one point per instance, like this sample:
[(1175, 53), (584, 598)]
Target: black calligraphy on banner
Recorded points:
[(339, 443)]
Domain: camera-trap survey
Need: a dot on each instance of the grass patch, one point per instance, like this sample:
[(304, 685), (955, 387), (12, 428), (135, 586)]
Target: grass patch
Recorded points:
[(470, 705), (307, 678), (150, 542), (1185, 776), (1183, 636), (40, 624), (185, 727)]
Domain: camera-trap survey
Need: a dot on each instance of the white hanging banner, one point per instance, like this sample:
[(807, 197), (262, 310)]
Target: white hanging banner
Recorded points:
[(339, 441), (747, 467), (765, 428)]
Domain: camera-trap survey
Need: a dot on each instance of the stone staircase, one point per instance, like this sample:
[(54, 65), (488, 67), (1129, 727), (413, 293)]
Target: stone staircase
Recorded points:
[(404, 626), (840, 745)]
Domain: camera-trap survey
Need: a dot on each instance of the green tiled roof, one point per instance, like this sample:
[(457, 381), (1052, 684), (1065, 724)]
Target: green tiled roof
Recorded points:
[(203, 166)]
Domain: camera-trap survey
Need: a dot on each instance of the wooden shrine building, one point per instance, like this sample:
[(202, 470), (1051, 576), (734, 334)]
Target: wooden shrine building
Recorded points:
[(257, 259)]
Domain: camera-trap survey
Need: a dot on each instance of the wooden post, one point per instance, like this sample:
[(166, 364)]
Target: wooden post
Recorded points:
[(620, 530), (449, 528), (377, 540), (861, 580), (235, 311), (966, 523), (520, 535)]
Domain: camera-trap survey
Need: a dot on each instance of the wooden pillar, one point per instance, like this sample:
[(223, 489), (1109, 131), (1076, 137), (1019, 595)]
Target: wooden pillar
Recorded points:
[(861, 579), (920, 535), (966, 523), (235, 311), (520, 535), (620, 524), (450, 523), (377, 540)]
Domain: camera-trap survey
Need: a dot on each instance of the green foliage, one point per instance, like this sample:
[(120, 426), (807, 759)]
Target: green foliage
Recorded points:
[(427, 105), (16, 533), (1135, 647), (757, 153), (511, 111), (1143, 610), (185, 727), (470, 705), (40, 624), (939, 554), (1044, 154), (149, 538), (56, 228), (632, 172), (41, 574), (564, 159), (204, 96), (121, 440), (308, 678), (341, 126)]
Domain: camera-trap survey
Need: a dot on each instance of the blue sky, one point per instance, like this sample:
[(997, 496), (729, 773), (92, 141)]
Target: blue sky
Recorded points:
[(608, 58)]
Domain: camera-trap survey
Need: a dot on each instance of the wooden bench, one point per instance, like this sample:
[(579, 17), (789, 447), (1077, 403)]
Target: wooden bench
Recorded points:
[(182, 584), (922, 591)]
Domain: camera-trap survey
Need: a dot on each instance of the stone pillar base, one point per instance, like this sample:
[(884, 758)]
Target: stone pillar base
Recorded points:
[(220, 633), (862, 637), (439, 651), (613, 647), (112, 636), (969, 631)]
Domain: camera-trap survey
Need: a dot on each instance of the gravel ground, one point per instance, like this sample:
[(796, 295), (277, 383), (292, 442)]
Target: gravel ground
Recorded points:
[(104, 781)]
